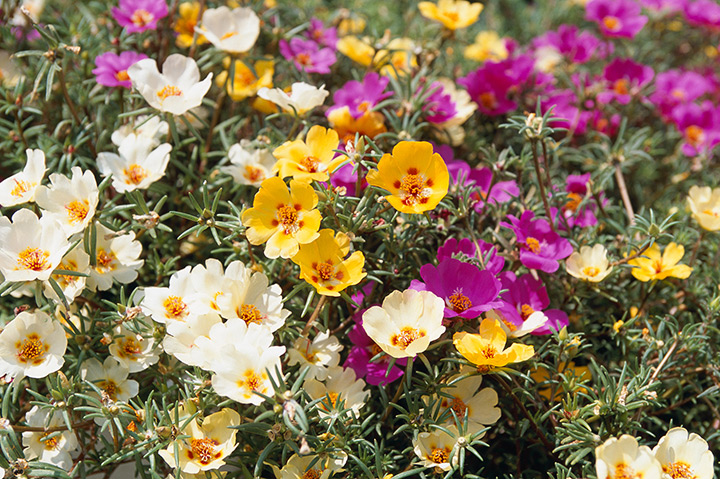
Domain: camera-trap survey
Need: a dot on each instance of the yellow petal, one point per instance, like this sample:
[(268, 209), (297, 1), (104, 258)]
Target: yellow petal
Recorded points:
[(672, 255)]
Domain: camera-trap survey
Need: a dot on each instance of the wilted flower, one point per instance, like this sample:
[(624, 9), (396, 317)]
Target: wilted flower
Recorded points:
[(590, 264), (232, 31)]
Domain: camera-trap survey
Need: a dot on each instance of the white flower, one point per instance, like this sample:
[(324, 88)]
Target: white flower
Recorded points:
[(34, 9), (248, 165), (622, 458), (152, 128), (133, 350), (176, 90), (30, 247), (213, 346), (21, 187), (590, 264), (303, 97), (170, 304), (684, 456), (32, 345), (547, 58), (310, 466), (116, 256), (76, 260), (182, 338), (465, 396), (233, 31), (137, 167), (52, 448), (434, 448), (340, 391), (71, 201), (209, 282), (9, 72), (320, 354), (406, 322), (112, 377)]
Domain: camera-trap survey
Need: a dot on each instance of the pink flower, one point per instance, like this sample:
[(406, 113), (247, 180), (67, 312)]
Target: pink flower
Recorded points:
[(438, 106), (361, 97), (111, 68), (465, 248), (575, 46), (699, 125), (307, 55), (501, 192), (317, 32), (675, 87), (704, 13), (624, 78), (540, 247), (139, 15), (616, 18)]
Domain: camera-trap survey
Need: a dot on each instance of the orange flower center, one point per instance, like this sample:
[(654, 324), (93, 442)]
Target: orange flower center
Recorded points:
[(488, 100), (312, 474), (622, 86), (303, 59), (591, 271), (364, 106), (110, 388), (50, 443), (525, 311), (415, 188), (658, 266), (532, 244), (204, 450), (134, 174), (66, 279), (228, 35), (250, 314), (169, 90), (573, 201), (695, 135), (678, 94), (679, 470), (325, 271), (509, 325), (612, 23), (105, 261), (623, 471), (452, 16), (288, 218), (310, 164), (77, 211), (33, 259), (175, 307), (122, 75), (439, 456), (130, 347), (459, 302), (141, 17), (254, 174), (406, 337), (31, 350), (488, 351), (252, 381), (333, 400), (459, 407), (21, 187)]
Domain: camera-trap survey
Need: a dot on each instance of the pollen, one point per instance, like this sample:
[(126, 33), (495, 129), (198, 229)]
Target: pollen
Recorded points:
[(525, 311), (459, 302), (406, 337), (310, 164), (21, 187), (168, 91), (694, 134), (488, 100), (288, 218), (439, 456), (333, 401), (532, 244), (141, 17), (122, 75), (252, 381), (622, 86), (612, 23), (33, 259), (591, 271), (325, 271), (204, 450), (458, 406), (32, 350), (253, 174), (414, 189), (509, 325), (573, 202), (110, 388), (250, 314), (452, 16), (105, 261), (312, 474), (77, 211), (49, 443), (66, 279), (175, 307), (304, 59), (228, 35), (488, 351), (679, 470), (623, 471), (134, 174), (129, 347)]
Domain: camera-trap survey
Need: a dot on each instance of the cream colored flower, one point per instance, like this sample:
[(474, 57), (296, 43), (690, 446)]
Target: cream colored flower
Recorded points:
[(464, 396), (233, 31), (435, 448), (51, 448), (176, 90), (684, 455), (111, 377), (590, 264), (248, 165), (9, 72), (137, 166), (547, 58), (71, 201), (406, 322), (320, 354), (132, 350), (172, 303), (340, 391), (303, 97), (30, 247), (116, 256), (487, 46), (310, 467), (21, 187), (704, 203), (182, 338), (152, 128), (208, 445), (622, 458), (535, 321), (76, 260), (32, 345)]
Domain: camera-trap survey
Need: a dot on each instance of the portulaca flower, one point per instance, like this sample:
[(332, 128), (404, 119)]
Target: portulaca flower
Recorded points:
[(535, 321), (32, 345), (684, 455), (406, 322), (176, 90), (465, 397), (21, 187), (310, 466), (71, 201), (590, 264), (152, 128), (340, 391), (53, 449), (76, 260), (136, 167), (166, 305), (116, 256), (209, 281), (232, 31), (303, 97), (248, 165), (112, 377), (30, 247), (132, 350), (9, 74), (434, 448), (621, 458), (182, 338), (320, 354)]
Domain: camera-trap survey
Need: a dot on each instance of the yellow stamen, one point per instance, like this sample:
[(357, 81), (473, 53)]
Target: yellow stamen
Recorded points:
[(122, 75), (31, 350), (134, 174), (611, 23), (142, 17), (175, 307), (406, 337), (532, 244), (250, 314), (203, 450), (591, 271), (33, 259), (169, 91), (439, 456), (525, 311), (309, 164), (459, 302), (77, 211), (679, 470), (21, 187)]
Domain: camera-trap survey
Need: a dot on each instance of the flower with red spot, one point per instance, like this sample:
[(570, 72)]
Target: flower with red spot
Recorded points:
[(616, 18), (111, 68), (540, 246), (139, 15)]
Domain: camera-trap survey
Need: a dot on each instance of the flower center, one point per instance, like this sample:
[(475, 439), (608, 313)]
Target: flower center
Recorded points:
[(488, 351), (130, 347), (695, 135), (591, 271), (623, 471), (325, 271), (109, 387), (34, 259), (31, 350), (414, 187), (333, 400), (50, 443), (459, 302), (622, 86), (509, 325), (228, 35), (488, 100), (204, 450), (21, 187), (310, 164), (364, 106), (141, 17), (439, 456), (251, 381), (573, 201), (678, 94), (525, 311), (612, 23), (312, 474), (679, 470), (254, 174), (169, 90), (175, 307), (458, 406), (134, 174), (105, 261), (77, 211), (67, 279), (250, 314), (452, 16), (288, 218), (712, 212), (658, 266), (122, 75), (303, 59), (532, 244), (406, 337)]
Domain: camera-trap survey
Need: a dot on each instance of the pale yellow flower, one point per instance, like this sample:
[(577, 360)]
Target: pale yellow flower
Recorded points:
[(704, 203), (590, 264)]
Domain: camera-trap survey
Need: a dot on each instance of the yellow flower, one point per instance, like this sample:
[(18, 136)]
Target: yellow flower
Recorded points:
[(322, 263), (488, 46), (283, 218), (487, 349), (246, 82), (311, 159), (396, 57), (350, 25), (704, 203), (371, 123), (356, 50), (653, 266), (453, 14), (186, 23), (541, 374), (590, 264), (416, 178)]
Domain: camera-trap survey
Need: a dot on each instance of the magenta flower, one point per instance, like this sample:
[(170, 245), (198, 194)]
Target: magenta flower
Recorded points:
[(665, 6), (566, 106), (111, 68), (625, 78), (438, 105), (307, 55), (705, 13), (492, 85), (540, 247), (699, 125), (467, 290), (576, 187), (575, 47), (139, 15), (363, 350), (465, 249), (616, 18), (523, 297), (321, 35), (501, 192), (361, 97), (675, 87)]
